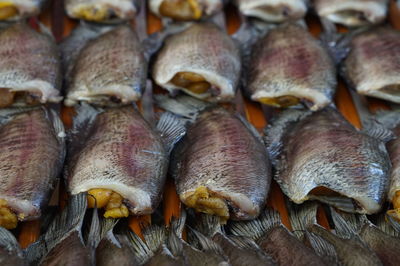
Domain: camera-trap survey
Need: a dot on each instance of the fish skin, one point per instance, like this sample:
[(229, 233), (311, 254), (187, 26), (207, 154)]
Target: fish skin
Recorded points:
[(290, 61), (123, 153), (112, 65), (109, 254), (275, 10), (372, 11), (372, 64), (30, 62), (385, 246), (221, 153), (26, 8), (204, 49), (121, 9), (209, 7), (30, 144), (286, 249), (324, 150)]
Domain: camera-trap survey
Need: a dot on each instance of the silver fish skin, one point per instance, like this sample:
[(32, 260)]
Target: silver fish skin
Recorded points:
[(273, 11), (372, 66), (321, 150), (32, 155), (203, 49), (121, 152), (102, 11), (221, 155), (29, 63), (10, 252), (353, 13), (289, 65), (185, 10), (13, 10), (109, 70)]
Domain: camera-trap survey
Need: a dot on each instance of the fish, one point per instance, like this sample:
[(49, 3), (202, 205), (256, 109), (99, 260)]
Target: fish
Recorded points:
[(352, 13), (321, 156), (220, 166), (382, 244), (13, 10), (391, 120), (371, 66), (202, 61), (11, 253), (276, 240), (275, 11), (109, 70), (287, 66), (104, 11), (32, 152), (119, 159), (30, 71), (184, 10)]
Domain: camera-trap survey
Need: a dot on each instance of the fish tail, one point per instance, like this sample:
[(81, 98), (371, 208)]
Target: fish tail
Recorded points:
[(9, 242), (322, 247), (205, 243), (301, 216), (142, 252), (347, 224), (389, 119), (385, 226), (395, 224), (208, 224), (257, 228), (172, 129), (154, 236)]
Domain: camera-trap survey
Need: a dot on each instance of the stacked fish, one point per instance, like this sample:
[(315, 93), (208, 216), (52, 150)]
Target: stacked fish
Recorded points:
[(119, 151)]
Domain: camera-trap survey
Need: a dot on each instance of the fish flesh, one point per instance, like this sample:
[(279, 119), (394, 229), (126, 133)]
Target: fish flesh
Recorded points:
[(202, 61), (352, 13), (274, 10), (372, 67), (12, 10), (119, 159), (322, 156), (29, 67), (391, 120), (109, 70), (289, 66), (103, 10), (276, 240), (10, 252), (220, 166), (185, 9), (32, 155)]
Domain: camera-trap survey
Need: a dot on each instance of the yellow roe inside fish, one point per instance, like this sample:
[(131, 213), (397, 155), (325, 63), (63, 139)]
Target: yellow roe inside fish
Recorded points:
[(109, 200), (202, 201), (282, 101), (7, 10), (93, 13), (181, 9), (8, 219), (395, 213), (191, 81)]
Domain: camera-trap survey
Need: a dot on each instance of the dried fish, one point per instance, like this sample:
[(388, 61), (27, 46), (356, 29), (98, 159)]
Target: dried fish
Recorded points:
[(10, 252), (322, 156), (220, 167), (20, 9), (372, 66), (273, 10), (31, 154), (289, 66), (352, 13), (110, 69), (29, 67), (102, 11), (202, 61), (185, 9), (117, 157)]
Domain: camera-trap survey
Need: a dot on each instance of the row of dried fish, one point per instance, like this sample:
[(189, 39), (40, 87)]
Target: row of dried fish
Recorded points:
[(263, 241), (108, 66)]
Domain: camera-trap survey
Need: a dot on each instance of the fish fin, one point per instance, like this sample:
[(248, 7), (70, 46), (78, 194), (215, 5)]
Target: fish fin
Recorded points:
[(244, 242), (347, 225), (219, 20), (182, 105), (385, 226), (276, 130), (250, 127), (206, 244), (302, 216), (335, 43), (390, 119), (147, 103), (395, 224), (322, 247), (107, 225), (94, 236), (172, 129), (175, 242), (376, 130), (208, 224), (178, 224), (7, 114), (140, 20), (9, 242), (154, 236), (142, 252), (45, 30), (255, 229)]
